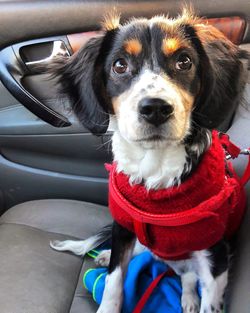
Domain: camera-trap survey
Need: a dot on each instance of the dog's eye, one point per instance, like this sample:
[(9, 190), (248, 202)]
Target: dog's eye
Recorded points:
[(183, 63), (120, 66)]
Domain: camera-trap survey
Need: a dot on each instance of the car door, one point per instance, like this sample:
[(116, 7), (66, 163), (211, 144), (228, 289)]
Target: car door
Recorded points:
[(44, 151)]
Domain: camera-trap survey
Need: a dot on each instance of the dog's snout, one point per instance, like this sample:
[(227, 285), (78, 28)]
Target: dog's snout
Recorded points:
[(154, 110)]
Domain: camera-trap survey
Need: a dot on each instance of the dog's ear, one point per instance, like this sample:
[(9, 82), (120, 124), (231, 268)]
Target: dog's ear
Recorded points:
[(82, 78), (221, 75)]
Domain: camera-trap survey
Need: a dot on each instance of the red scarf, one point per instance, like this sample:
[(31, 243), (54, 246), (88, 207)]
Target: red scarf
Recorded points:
[(176, 221)]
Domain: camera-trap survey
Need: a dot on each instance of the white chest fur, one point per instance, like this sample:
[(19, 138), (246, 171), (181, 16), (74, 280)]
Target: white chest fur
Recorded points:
[(157, 168)]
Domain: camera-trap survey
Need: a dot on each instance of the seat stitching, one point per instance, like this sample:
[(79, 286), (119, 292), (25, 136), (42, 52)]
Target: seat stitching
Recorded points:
[(43, 230)]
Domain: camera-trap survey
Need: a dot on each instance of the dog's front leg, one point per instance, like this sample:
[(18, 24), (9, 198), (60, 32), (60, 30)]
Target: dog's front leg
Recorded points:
[(121, 251), (212, 293), (190, 301), (213, 276)]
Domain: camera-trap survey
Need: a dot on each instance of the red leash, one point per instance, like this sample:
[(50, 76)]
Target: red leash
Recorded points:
[(233, 152), (140, 305)]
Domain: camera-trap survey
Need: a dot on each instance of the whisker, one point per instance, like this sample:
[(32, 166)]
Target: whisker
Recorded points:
[(101, 145)]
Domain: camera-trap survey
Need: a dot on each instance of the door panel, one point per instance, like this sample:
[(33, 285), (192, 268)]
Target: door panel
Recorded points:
[(37, 159), (54, 153), (21, 183)]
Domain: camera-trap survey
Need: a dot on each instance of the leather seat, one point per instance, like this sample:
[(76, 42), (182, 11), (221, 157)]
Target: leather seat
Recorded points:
[(33, 277), (36, 279)]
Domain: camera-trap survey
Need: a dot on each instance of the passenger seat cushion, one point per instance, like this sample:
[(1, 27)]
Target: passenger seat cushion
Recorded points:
[(33, 277), (69, 217)]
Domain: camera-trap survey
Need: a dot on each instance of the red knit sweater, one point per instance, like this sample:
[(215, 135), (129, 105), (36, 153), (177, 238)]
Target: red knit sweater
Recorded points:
[(173, 222)]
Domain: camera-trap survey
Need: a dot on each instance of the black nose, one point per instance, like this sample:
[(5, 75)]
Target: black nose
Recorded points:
[(155, 111)]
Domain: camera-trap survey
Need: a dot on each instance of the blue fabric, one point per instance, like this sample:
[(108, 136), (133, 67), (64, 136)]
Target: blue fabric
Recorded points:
[(142, 270)]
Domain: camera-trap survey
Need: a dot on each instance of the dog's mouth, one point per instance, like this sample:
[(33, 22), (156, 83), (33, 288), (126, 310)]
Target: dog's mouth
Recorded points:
[(155, 139), (151, 138)]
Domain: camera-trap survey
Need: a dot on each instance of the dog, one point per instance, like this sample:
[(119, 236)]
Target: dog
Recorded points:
[(163, 84)]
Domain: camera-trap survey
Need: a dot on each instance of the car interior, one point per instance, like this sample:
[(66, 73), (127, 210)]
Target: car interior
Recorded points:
[(53, 183)]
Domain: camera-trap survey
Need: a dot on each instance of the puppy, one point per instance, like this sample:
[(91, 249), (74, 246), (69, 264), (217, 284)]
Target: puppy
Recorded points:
[(163, 84)]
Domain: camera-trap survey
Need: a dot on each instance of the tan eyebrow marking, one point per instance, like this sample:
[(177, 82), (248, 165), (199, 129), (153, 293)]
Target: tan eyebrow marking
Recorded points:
[(133, 46), (170, 45)]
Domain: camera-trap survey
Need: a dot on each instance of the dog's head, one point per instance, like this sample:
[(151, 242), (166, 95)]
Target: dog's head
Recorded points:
[(160, 78)]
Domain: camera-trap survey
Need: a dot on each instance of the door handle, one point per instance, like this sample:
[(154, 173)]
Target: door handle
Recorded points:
[(12, 70), (59, 49)]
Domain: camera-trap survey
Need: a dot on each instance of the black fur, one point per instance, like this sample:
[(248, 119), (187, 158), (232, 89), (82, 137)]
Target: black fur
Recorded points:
[(82, 78), (221, 76), (222, 80), (104, 235), (219, 257), (122, 240)]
